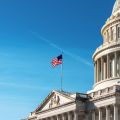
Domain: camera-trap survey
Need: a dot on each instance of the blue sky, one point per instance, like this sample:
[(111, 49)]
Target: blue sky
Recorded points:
[(31, 34)]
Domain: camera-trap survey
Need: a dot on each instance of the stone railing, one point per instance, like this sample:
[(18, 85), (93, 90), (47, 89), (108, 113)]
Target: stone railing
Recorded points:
[(104, 92)]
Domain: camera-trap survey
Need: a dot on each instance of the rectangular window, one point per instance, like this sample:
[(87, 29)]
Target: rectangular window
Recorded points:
[(112, 34), (107, 36), (111, 68), (118, 32)]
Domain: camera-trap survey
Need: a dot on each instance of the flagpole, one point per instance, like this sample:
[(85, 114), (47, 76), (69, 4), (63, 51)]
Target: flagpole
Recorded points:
[(61, 77), (62, 73)]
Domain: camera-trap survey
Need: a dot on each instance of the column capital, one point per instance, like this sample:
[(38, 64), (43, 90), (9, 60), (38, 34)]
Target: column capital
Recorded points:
[(100, 108), (69, 113), (114, 104), (76, 111), (107, 106), (52, 118)]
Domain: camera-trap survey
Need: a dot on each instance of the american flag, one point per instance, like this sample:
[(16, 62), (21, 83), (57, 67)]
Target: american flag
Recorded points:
[(56, 61)]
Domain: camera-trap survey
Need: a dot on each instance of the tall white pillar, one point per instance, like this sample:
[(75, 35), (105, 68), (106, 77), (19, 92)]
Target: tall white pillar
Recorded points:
[(105, 69), (115, 63), (116, 32), (69, 116), (119, 66), (107, 113), (52, 118), (107, 66), (57, 117), (93, 115), (63, 116), (115, 112), (100, 114), (101, 68), (75, 115), (97, 71)]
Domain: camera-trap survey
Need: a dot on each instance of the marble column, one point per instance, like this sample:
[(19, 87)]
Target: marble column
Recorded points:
[(69, 116), (57, 117), (63, 116), (97, 71), (75, 115), (107, 113), (115, 112), (93, 115), (101, 68), (52, 118), (105, 69), (119, 66), (115, 63), (100, 114), (116, 32), (107, 66)]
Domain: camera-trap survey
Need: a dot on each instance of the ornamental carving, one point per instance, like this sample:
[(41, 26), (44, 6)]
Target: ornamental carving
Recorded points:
[(54, 102)]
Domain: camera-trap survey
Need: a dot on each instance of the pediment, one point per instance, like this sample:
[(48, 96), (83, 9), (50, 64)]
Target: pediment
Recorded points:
[(54, 99)]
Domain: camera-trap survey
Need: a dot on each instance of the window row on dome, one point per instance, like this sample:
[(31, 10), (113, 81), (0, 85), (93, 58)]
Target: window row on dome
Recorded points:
[(112, 34)]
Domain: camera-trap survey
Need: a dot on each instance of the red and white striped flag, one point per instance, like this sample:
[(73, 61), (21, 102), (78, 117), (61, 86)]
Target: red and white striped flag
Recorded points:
[(56, 61)]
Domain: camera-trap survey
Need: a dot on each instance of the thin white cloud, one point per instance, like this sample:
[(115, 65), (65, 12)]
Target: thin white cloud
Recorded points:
[(23, 86), (74, 56)]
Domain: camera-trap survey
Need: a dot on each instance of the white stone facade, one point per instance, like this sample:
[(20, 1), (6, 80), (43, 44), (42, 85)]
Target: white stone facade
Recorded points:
[(101, 103)]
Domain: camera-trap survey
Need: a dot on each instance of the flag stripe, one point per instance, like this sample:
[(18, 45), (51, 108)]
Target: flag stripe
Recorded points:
[(57, 61)]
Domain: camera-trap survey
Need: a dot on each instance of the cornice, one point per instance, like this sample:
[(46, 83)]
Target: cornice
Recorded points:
[(109, 79), (107, 47), (103, 97), (55, 108), (110, 23)]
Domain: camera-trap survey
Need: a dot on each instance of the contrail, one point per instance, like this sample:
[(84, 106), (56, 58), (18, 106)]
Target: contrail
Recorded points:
[(75, 57), (19, 86)]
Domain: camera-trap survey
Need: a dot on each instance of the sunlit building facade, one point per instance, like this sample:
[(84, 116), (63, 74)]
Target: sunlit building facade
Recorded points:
[(103, 101)]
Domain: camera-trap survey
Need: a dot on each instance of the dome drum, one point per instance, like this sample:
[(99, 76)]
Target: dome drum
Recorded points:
[(107, 57), (107, 67), (106, 50)]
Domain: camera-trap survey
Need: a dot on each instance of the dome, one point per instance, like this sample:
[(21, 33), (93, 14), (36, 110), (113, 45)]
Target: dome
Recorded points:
[(107, 57), (116, 7)]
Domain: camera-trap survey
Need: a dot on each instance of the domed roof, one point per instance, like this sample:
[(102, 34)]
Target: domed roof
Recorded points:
[(116, 7)]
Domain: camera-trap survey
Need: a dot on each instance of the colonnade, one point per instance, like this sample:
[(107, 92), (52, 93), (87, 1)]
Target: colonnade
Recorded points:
[(107, 66), (107, 113), (73, 115)]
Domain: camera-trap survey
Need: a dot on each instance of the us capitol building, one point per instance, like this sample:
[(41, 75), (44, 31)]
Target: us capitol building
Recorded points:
[(103, 101)]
